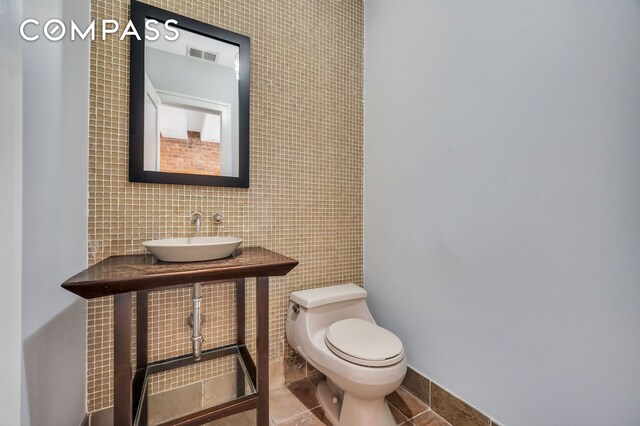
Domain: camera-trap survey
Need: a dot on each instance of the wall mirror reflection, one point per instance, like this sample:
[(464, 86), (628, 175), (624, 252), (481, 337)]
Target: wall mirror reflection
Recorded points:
[(189, 102)]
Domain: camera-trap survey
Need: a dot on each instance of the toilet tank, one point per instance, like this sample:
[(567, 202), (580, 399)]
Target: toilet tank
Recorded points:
[(313, 310), (316, 297)]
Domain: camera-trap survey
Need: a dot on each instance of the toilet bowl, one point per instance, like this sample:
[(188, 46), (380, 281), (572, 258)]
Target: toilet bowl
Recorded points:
[(332, 329)]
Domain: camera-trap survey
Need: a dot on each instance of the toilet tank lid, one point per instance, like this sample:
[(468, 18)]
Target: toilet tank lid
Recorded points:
[(325, 295)]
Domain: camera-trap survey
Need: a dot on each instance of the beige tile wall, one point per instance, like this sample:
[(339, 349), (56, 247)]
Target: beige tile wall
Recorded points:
[(305, 199)]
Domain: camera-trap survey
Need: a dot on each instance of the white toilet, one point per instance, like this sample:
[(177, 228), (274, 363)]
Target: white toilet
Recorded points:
[(332, 329)]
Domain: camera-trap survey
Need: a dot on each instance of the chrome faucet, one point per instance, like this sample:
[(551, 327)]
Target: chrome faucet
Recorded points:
[(196, 217)]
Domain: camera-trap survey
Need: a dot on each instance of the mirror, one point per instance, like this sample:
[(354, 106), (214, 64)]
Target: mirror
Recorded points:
[(189, 120)]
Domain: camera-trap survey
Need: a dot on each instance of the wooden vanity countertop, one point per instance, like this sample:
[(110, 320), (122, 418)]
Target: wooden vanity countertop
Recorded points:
[(121, 274)]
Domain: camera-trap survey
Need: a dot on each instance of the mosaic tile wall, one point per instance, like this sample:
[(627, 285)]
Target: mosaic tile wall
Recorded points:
[(305, 199)]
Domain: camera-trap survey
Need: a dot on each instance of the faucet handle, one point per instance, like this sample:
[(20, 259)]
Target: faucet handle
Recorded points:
[(217, 217)]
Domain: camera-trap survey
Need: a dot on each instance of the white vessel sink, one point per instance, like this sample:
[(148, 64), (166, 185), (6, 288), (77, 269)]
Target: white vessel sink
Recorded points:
[(193, 249)]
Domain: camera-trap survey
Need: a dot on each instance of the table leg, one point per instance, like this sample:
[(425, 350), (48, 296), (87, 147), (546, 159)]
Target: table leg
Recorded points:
[(240, 335), (262, 319), (122, 410), (142, 357), (142, 331)]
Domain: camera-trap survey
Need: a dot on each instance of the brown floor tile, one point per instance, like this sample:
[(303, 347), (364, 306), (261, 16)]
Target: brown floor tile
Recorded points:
[(397, 415), (305, 391), (311, 370), (430, 418), (291, 371), (417, 384), (220, 389), (313, 417), (287, 402), (276, 372), (454, 410), (406, 403), (172, 404), (316, 378)]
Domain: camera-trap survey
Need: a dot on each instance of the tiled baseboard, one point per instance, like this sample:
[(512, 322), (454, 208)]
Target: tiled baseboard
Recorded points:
[(448, 406)]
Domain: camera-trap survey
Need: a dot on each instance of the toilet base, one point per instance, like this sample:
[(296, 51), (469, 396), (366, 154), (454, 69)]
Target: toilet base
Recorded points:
[(351, 411)]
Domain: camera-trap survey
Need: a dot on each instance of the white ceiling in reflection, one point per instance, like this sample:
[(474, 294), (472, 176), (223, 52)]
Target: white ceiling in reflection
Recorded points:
[(176, 122), (227, 52)]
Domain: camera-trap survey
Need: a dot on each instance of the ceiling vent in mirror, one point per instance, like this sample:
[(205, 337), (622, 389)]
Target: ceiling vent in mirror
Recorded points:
[(202, 54)]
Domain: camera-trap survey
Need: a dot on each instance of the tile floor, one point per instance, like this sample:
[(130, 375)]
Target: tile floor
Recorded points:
[(296, 404)]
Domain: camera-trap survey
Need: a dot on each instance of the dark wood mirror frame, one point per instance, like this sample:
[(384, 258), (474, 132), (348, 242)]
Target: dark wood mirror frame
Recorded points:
[(139, 13)]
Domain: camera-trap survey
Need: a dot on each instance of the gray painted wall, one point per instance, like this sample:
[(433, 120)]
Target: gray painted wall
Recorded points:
[(11, 210), (56, 97), (502, 201)]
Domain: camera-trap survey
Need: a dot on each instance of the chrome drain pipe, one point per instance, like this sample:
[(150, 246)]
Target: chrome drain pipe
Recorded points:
[(195, 321)]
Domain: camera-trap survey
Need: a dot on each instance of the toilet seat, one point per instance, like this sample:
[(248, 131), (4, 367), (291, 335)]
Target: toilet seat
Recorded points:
[(364, 343)]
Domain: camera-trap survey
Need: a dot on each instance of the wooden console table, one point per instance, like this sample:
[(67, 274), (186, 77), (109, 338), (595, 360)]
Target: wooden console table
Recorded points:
[(120, 276)]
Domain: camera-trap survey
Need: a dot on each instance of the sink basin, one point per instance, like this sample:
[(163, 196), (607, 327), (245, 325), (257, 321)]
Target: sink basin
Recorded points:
[(193, 249)]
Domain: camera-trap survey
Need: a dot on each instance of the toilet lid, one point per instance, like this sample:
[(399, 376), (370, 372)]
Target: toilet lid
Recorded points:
[(364, 343)]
